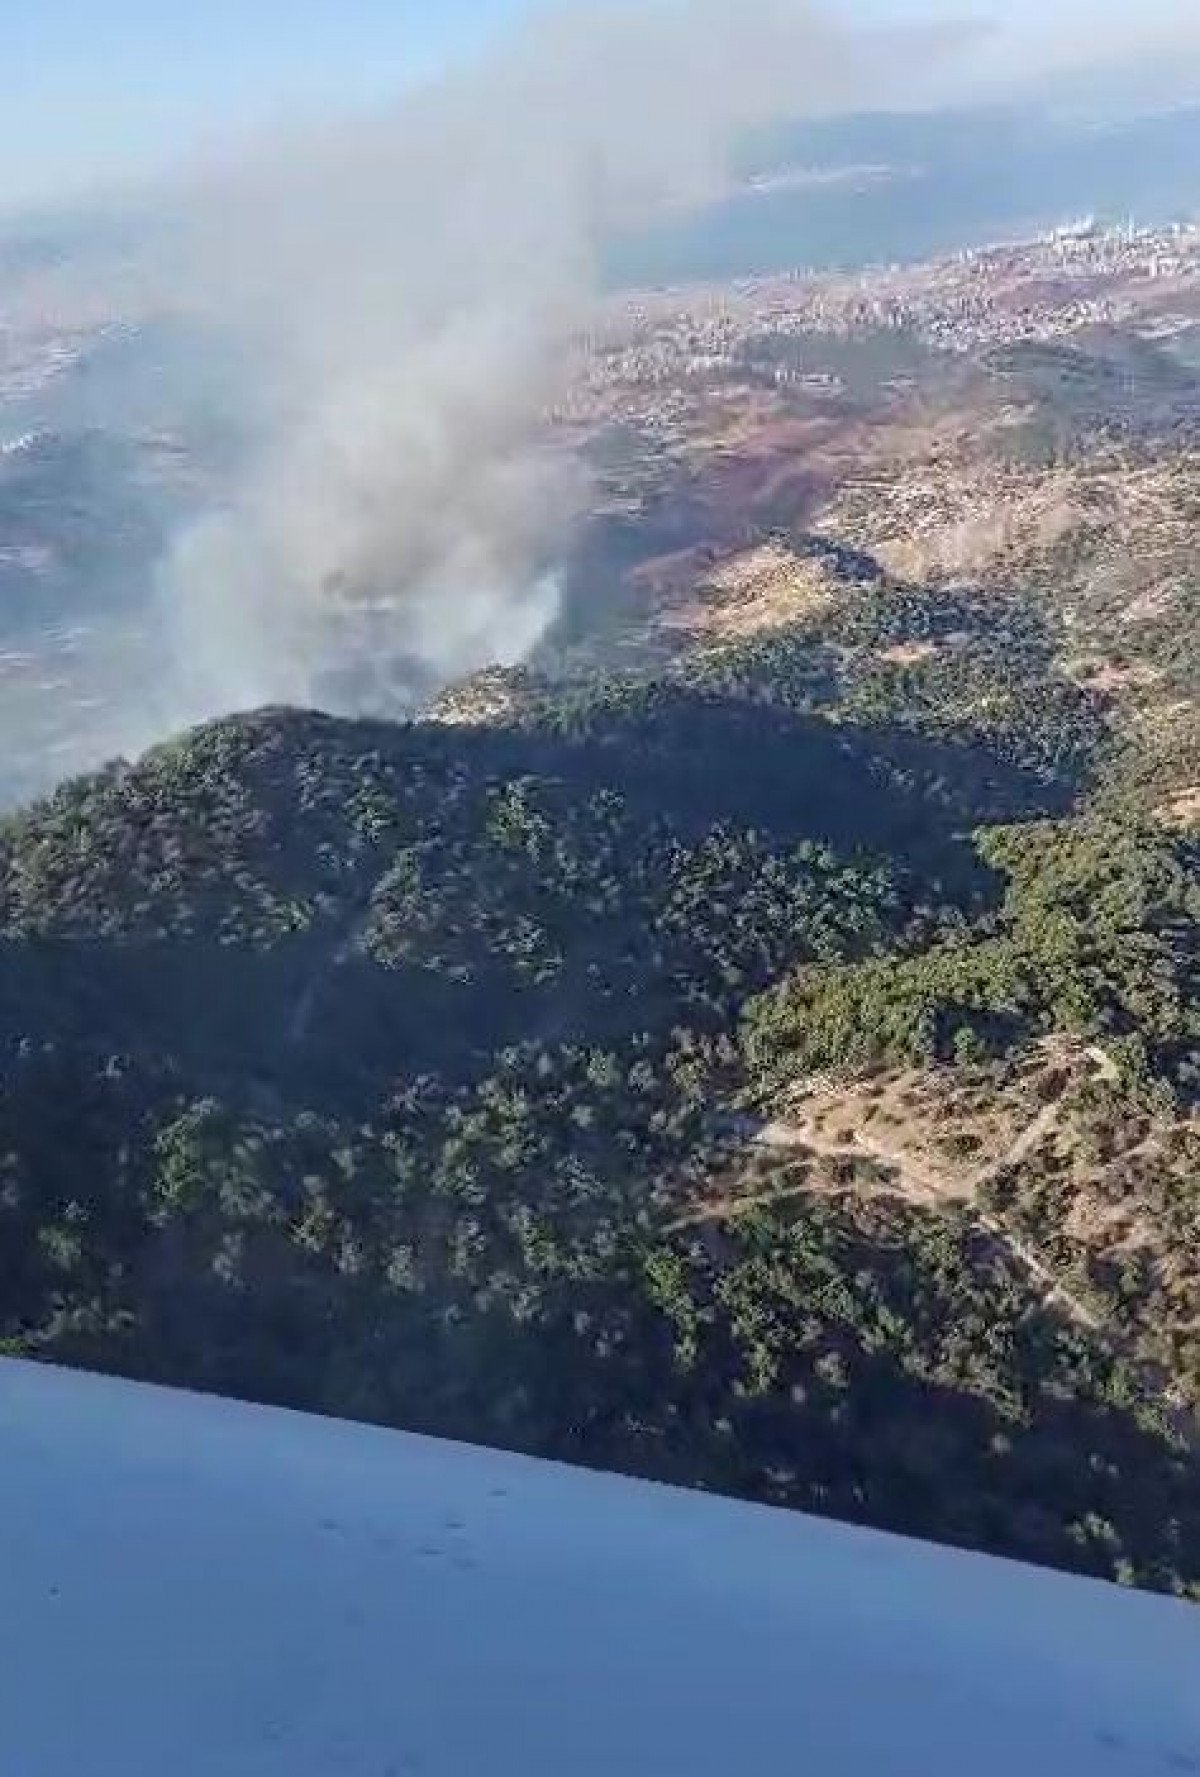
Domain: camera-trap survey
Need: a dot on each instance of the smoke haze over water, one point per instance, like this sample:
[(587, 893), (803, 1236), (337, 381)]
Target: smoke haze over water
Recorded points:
[(400, 293)]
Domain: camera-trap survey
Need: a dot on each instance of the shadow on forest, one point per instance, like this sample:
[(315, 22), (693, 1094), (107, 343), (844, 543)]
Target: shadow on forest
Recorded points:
[(700, 758), (313, 1012)]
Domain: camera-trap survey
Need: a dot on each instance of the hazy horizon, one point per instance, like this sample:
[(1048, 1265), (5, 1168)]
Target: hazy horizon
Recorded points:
[(355, 321), (107, 103)]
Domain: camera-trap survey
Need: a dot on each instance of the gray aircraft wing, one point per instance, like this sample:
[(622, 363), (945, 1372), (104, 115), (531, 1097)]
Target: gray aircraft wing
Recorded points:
[(192, 1587)]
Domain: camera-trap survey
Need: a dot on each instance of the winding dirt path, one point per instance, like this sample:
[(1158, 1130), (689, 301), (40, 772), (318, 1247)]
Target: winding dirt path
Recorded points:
[(332, 957), (913, 1184)]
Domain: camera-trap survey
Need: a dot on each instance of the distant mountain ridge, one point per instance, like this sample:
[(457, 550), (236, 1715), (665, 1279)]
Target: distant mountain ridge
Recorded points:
[(960, 179)]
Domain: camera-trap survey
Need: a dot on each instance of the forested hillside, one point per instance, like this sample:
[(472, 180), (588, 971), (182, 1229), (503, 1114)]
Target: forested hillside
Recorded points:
[(427, 1074)]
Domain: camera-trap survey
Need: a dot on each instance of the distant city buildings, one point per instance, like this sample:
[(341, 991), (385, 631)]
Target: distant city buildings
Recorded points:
[(1076, 277)]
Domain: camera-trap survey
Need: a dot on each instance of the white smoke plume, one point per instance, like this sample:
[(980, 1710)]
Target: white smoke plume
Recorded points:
[(403, 290)]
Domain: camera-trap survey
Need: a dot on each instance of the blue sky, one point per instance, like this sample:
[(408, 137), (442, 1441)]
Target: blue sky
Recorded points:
[(117, 86), (96, 89)]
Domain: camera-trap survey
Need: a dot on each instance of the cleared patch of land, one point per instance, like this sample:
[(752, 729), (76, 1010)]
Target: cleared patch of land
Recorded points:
[(1048, 1162)]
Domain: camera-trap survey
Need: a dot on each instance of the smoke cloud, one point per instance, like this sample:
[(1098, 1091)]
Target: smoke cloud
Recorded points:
[(401, 292)]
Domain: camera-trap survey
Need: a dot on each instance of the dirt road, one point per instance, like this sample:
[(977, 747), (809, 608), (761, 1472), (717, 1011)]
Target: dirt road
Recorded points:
[(913, 1184)]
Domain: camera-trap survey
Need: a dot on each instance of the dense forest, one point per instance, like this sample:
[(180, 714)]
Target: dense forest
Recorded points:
[(383, 1070)]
